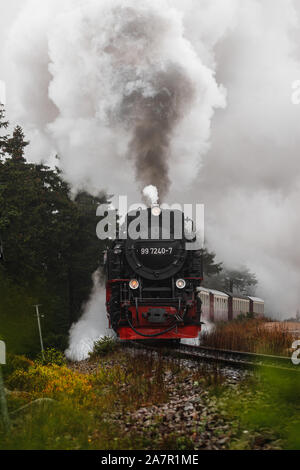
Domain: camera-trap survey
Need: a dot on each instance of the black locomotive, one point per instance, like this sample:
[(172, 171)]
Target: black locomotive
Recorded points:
[(152, 278)]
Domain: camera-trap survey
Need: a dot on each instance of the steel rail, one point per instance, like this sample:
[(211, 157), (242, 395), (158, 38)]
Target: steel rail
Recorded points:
[(224, 357)]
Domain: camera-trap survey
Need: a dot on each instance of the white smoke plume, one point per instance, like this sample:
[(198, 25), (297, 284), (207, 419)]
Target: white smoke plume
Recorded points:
[(250, 179), (80, 72), (92, 326), (150, 193), (111, 84)]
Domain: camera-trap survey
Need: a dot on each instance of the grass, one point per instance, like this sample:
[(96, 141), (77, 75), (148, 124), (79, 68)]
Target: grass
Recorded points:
[(18, 323), (85, 410), (250, 335), (91, 410), (265, 409)]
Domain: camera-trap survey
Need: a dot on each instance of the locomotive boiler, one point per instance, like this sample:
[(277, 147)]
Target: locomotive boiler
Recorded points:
[(152, 279)]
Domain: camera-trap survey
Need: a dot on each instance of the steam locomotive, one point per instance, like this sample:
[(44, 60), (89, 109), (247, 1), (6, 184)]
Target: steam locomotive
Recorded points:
[(153, 279)]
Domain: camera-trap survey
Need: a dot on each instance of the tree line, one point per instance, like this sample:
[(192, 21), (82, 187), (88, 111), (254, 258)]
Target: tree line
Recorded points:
[(49, 247)]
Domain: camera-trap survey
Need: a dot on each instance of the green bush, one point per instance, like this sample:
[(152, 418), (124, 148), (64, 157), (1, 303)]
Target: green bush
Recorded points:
[(14, 363), (26, 381), (104, 346), (51, 357)]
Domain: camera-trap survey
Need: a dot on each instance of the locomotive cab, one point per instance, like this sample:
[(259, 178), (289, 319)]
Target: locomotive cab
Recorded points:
[(152, 279)]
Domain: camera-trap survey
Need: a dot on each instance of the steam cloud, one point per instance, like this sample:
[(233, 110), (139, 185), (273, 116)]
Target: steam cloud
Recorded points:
[(150, 193), (91, 327), (127, 92), (109, 84)]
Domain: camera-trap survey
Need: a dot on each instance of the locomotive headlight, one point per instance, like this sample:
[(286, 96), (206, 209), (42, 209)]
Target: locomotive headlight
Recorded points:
[(156, 211), (180, 284), (134, 284)]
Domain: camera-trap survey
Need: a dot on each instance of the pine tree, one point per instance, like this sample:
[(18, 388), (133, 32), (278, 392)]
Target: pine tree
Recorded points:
[(211, 268), (239, 280), (15, 145)]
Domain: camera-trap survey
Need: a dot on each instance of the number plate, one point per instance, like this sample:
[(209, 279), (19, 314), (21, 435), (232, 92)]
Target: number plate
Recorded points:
[(156, 251)]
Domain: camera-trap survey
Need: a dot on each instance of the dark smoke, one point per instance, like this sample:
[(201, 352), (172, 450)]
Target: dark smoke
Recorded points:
[(155, 119)]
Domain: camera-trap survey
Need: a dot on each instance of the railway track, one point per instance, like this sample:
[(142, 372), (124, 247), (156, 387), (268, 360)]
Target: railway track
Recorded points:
[(222, 357)]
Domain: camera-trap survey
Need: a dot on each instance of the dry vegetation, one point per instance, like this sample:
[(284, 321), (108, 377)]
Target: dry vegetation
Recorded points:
[(124, 399), (95, 404), (251, 335)]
